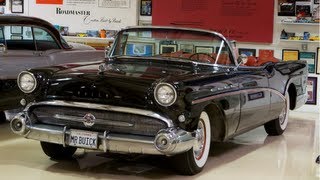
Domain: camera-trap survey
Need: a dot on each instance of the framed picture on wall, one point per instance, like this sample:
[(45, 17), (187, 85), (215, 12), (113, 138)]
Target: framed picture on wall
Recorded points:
[(17, 6), (312, 90), (146, 7), (2, 2), (290, 55), (247, 52), (187, 48), (140, 49), (310, 57), (318, 61), (204, 49), (16, 29), (168, 48), (316, 1)]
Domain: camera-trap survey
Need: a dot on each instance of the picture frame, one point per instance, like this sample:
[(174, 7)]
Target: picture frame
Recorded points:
[(247, 52), (140, 48), (204, 49), (144, 23), (310, 57), (316, 2), (17, 6), (187, 48), (290, 55), (3, 2), (266, 54), (286, 9), (168, 48), (146, 7), (16, 29), (303, 8), (318, 61), (312, 90)]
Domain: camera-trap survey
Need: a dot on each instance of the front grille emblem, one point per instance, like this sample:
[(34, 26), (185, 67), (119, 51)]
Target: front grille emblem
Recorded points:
[(89, 120)]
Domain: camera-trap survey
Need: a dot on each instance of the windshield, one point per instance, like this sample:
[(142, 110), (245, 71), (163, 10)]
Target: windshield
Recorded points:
[(189, 45)]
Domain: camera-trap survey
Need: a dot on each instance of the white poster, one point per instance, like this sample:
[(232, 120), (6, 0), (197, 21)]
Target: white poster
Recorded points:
[(84, 15)]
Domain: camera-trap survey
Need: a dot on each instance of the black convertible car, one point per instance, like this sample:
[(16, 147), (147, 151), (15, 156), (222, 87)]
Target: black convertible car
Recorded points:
[(161, 91)]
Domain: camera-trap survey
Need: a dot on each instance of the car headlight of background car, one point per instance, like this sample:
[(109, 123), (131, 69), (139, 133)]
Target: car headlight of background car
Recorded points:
[(165, 94), (27, 82)]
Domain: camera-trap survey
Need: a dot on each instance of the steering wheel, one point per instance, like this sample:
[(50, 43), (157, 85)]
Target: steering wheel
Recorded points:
[(208, 57)]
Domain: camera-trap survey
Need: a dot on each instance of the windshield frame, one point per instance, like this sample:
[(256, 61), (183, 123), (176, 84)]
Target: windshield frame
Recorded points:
[(150, 28)]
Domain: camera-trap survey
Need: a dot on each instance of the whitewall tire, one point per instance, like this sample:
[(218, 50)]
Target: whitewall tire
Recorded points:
[(278, 126), (193, 161)]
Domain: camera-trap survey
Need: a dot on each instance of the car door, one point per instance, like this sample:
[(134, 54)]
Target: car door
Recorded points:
[(19, 52), (255, 97)]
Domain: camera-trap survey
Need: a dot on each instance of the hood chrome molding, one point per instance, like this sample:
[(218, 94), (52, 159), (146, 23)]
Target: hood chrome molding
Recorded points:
[(103, 107)]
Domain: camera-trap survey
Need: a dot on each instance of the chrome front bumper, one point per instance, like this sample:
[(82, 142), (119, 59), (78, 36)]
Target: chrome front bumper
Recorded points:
[(168, 142)]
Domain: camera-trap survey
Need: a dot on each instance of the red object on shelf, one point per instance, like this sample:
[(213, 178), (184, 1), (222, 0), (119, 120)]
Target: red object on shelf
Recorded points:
[(49, 1), (244, 21)]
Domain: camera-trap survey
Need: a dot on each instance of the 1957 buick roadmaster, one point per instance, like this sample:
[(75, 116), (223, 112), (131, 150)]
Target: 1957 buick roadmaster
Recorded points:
[(161, 91), (28, 42)]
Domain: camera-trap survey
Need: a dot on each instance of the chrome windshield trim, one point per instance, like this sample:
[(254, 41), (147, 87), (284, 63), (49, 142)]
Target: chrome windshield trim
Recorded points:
[(104, 107), (214, 33), (197, 101)]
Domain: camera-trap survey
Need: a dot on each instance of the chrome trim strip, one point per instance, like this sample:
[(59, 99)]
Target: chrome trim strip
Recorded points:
[(97, 121), (64, 136), (238, 92), (103, 107)]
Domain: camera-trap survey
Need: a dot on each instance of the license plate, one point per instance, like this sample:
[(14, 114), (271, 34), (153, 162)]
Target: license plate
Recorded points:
[(84, 139)]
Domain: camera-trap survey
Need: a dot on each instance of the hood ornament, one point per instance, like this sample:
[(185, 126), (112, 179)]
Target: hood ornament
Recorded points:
[(89, 120)]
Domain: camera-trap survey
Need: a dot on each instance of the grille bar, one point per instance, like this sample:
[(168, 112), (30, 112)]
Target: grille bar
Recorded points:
[(108, 122)]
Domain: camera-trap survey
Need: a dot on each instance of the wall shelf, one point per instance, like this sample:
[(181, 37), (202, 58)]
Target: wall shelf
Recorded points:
[(299, 41), (293, 23)]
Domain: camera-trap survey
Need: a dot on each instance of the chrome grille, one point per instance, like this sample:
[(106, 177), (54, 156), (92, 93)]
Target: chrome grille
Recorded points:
[(117, 122)]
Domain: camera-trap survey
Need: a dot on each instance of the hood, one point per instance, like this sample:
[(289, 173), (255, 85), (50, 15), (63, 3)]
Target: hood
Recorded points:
[(117, 83)]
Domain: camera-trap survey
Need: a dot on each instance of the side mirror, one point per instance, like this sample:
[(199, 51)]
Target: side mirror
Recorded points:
[(242, 59), (3, 48)]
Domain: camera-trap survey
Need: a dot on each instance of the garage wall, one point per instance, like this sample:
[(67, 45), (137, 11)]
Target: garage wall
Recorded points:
[(83, 15)]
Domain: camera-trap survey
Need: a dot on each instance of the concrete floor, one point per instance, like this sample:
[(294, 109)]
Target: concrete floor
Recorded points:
[(253, 155)]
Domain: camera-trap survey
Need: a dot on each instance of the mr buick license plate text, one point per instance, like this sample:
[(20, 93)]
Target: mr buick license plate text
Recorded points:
[(83, 139)]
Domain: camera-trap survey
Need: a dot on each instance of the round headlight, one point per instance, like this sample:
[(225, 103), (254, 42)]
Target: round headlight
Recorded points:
[(27, 82), (165, 94)]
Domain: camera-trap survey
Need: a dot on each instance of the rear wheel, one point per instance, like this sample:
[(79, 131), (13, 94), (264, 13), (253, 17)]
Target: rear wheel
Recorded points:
[(278, 126), (57, 151), (193, 161)]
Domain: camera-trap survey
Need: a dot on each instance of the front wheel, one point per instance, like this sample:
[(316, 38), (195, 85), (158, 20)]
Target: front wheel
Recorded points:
[(57, 151), (193, 161), (278, 126)]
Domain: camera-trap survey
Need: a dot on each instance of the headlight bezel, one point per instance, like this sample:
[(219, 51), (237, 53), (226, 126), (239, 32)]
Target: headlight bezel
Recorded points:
[(33, 77), (155, 94)]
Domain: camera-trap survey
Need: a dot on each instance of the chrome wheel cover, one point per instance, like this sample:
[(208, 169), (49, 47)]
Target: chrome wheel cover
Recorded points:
[(199, 146)]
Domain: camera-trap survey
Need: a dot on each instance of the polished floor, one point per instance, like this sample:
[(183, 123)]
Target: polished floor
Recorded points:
[(253, 155)]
